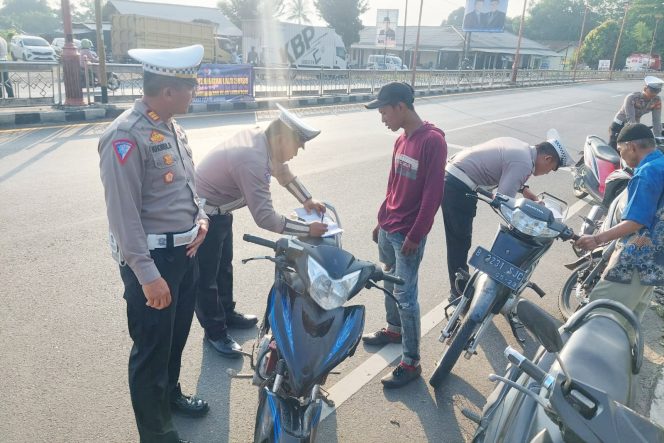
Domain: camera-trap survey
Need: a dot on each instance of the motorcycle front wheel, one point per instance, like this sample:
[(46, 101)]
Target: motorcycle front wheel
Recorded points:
[(452, 351), (568, 301)]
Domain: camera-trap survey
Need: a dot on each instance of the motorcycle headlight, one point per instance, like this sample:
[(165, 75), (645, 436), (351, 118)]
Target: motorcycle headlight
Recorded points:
[(327, 292), (526, 224)]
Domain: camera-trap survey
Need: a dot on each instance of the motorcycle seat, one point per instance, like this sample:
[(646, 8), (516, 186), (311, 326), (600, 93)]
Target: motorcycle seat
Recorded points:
[(601, 150), (598, 354)]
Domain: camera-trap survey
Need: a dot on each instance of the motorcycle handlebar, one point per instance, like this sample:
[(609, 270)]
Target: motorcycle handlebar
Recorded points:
[(380, 275), (260, 241), (530, 368)]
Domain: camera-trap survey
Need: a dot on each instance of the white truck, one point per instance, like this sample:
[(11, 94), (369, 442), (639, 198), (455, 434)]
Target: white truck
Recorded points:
[(280, 44)]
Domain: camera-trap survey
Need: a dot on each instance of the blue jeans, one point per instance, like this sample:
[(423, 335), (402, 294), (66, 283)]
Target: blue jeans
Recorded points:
[(406, 320)]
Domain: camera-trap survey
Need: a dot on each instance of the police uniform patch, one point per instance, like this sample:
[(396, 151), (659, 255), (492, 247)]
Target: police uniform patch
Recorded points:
[(169, 177), (122, 149), (157, 137), (153, 116), (168, 159)]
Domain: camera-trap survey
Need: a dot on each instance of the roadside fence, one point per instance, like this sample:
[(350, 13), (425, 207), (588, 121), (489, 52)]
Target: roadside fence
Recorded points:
[(33, 84)]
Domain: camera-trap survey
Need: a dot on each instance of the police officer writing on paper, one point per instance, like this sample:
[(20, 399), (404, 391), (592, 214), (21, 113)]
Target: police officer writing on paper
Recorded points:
[(156, 228), (503, 163), (234, 174), (638, 104), (637, 263)]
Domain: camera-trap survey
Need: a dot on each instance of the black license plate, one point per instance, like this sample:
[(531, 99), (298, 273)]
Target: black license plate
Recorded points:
[(497, 268)]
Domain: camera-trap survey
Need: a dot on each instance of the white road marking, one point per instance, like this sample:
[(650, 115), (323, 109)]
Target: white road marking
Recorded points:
[(617, 95), (374, 365), (530, 114)]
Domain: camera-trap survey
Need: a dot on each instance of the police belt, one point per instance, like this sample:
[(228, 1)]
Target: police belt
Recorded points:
[(617, 121), (461, 176), (214, 210), (160, 241)]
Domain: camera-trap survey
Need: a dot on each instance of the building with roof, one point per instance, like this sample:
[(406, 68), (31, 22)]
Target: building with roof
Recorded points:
[(442, 47), (182, 13)]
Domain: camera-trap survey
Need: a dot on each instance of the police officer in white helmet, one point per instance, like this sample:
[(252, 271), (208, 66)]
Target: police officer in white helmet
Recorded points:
[(638, 104), (156, 227)]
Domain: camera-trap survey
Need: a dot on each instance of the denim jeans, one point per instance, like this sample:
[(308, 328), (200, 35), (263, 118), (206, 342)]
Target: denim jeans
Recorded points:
[(407, 319)]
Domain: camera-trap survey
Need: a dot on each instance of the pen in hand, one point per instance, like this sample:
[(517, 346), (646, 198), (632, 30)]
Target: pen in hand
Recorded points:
[(322, 214)]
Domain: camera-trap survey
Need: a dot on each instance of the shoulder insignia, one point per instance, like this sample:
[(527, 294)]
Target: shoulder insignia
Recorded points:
[(156, 137), (122, 149), (657, 105), (153, 116)]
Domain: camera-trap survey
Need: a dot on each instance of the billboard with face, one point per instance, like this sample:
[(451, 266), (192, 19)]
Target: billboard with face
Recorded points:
[(386, 27), (484, 16)]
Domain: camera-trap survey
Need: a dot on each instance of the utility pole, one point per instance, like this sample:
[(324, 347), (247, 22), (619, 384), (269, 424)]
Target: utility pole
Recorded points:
[(101, 51), (417, 46), (658, 17), (515, 66), (71, 65), (405, 24), (615, 54), (578, 48)]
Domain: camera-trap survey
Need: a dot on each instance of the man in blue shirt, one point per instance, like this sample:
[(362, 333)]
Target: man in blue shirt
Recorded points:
[(637, 264)]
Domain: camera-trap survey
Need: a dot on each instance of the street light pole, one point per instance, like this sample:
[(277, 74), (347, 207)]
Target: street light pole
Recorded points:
[(101, 50), (71, 64), (417, 46), (405, 24), (658, 17), (515, 66), (578, 47), (615, 54)]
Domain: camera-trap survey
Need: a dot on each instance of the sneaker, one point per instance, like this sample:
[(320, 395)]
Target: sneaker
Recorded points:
[(401, 376), (382, 337)]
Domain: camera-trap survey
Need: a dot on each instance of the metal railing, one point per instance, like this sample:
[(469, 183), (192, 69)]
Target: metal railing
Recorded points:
[(31, 84)]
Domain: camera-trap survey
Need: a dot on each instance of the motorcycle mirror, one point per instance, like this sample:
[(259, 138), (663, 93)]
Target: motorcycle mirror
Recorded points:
[(541, 324)]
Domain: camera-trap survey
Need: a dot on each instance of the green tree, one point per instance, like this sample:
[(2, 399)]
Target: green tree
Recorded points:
[(455, 18), (29, 16), (238, 10), (558, 20), (600, 44), (344, 17), (83, 11), (299, 11)]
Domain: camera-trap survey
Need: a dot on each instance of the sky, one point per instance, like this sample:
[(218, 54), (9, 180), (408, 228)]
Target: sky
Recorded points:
[(433, 13)]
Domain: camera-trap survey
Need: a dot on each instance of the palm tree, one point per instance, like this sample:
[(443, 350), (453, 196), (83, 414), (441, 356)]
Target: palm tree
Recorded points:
[(299, 11)]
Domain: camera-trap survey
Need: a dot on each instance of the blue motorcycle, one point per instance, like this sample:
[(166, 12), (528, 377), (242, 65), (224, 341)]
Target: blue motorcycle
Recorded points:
[(306, 331)]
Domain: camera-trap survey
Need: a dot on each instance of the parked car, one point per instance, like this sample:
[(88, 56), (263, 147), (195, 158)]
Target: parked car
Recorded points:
[(388, 62), (31, 48), (59, 42)]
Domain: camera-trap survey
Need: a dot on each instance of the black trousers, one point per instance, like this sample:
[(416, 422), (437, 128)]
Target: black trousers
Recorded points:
[(215, 286), (159, 337), (458, 214), (614, 130)]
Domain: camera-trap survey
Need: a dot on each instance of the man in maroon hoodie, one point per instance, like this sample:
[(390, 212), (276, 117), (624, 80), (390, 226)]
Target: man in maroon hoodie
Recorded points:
[(414, 193)]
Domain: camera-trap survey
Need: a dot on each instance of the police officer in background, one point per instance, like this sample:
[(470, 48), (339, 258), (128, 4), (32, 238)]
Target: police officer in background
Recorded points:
[(636, 105), (234, 174), (156, 228)]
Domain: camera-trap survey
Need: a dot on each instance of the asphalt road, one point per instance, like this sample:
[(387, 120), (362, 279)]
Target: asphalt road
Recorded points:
[(63, 334)]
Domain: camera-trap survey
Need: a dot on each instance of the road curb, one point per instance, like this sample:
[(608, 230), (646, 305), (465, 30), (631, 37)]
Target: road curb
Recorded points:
[(657, 405), (99, 112)]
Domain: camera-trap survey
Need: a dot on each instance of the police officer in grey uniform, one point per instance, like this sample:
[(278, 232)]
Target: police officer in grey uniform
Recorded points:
[(234, 174), (636, 105), (156, 227)]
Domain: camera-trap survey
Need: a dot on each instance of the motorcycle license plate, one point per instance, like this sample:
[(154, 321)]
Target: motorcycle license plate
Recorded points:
[(497, 268)]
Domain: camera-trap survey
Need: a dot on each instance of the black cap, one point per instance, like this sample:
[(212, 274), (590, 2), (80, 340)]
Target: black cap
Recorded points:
[(391, 94), (634, 131)]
